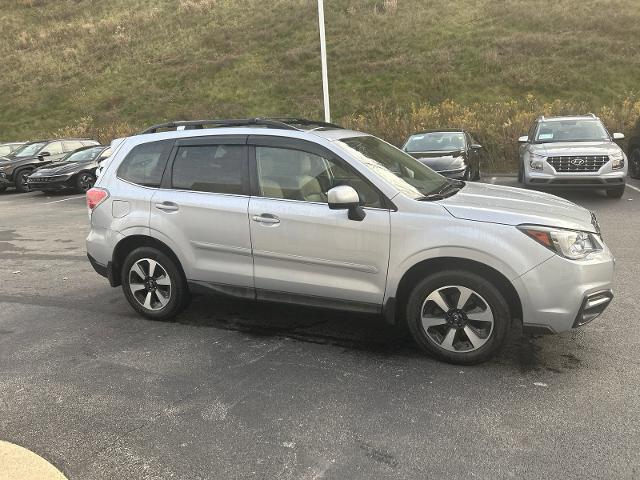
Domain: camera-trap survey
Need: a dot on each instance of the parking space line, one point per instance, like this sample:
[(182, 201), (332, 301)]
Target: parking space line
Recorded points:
[(635, 188), (63, 200)]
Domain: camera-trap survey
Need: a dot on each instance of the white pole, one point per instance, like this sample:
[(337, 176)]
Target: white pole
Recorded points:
[(323, 57)]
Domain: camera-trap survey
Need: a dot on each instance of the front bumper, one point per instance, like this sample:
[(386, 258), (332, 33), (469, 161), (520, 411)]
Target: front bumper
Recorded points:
[(550, 179), (561, 294), (56, 185)]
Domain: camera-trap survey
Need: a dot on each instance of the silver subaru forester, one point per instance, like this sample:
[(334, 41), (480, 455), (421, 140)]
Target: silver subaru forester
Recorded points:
[(306, 212)]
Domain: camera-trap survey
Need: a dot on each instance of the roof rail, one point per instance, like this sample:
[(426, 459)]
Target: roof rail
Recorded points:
[(591, 115), (280, 123)]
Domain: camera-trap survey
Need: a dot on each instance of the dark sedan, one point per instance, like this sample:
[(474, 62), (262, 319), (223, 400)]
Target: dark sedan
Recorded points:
[(452, 153), (76, 171)]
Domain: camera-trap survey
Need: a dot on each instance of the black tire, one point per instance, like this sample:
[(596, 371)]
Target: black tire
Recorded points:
[(178, 297), (634, 163), (20, 181), (3, 188), (485, 293), (520, 173), (616, 192), (477, 176), (84, 181)]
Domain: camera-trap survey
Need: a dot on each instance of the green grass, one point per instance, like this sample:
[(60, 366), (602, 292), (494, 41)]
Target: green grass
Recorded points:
[(136, 62)]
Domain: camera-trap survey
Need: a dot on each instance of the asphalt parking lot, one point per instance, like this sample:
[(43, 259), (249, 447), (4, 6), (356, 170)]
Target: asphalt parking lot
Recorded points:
[(238, 390)]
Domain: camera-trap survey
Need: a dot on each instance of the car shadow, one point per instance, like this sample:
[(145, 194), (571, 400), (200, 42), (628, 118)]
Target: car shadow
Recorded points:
[(346, 330)]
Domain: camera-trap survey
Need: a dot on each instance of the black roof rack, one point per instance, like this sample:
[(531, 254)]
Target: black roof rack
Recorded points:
[(280, 123)]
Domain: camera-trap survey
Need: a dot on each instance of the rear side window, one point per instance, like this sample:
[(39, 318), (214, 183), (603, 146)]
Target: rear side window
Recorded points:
[(211, 168), (145, 164), (71, 146), (54, 148)]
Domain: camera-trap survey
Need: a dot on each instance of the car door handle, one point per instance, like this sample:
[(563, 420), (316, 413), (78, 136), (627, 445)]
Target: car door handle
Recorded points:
[(167, 207), (266, 218)]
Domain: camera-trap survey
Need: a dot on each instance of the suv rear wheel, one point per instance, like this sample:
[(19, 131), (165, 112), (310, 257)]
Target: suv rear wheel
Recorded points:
[(459, 317), (153, 284)]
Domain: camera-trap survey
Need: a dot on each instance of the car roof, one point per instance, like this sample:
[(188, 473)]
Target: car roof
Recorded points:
[(286, 127), (439, 130), (568, 117)]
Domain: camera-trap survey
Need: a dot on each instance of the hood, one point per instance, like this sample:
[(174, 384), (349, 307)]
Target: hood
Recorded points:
[(60, 169), (576, 148), (10, 160), (440, 160), (484, 202)]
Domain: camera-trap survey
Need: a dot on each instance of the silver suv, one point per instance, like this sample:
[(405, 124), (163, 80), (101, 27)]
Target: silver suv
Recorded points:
[(309, 213), (572, 152)]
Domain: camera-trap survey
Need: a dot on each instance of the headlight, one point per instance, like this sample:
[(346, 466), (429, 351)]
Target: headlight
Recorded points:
[(617, 161), (535, 161), (572, 244)]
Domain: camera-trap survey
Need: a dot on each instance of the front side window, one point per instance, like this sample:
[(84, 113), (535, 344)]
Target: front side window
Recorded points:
[(571, 131), (210, 168), (290, 174), (145, 163), (435, 142), (401, 170), (4, 150), (29, 150)]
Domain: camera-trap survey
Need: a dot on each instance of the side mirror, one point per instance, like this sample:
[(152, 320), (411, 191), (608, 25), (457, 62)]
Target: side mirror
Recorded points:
[(618, 136), (43, 154), (523, 139), (476, 146), (344, 197)]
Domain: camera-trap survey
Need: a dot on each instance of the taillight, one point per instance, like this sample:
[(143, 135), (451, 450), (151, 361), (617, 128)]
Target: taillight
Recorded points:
[(95, 196)]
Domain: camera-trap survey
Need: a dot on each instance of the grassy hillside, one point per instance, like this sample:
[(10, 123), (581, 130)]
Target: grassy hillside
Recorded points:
[(122, 64)]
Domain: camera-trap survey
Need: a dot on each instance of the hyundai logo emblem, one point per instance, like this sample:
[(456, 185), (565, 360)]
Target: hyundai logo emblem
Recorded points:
[(577, 162)]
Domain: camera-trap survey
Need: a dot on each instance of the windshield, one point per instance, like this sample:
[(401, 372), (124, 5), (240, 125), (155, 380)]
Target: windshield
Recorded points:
[(404, 172), (84, 155), (435, 142), (29, 150), (571, 131)]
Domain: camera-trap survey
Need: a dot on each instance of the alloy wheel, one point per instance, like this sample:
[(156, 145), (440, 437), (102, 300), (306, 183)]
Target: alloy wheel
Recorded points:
[(457, 319), (85, 182), (150, 284)]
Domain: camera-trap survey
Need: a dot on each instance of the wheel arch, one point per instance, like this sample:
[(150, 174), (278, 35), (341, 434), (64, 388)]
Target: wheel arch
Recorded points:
[(130, 243), (438, 264)]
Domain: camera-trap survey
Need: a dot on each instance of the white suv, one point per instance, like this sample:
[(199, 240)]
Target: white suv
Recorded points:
[(572, 152), (309, 213)]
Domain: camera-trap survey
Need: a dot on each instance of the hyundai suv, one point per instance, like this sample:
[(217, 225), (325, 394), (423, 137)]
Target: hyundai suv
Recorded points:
[(572, 152), (309, 213), (16, 167)]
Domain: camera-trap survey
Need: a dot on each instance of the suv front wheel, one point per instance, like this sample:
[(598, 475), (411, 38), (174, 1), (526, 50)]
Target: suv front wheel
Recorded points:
[(458, 316), (153, 284)]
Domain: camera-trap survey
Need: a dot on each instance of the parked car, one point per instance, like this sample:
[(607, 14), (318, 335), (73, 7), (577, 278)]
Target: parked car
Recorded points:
[(309, 213), (633, 152), (76, 171), (18, 165), (453, 153), (8, 148), (572, 152)]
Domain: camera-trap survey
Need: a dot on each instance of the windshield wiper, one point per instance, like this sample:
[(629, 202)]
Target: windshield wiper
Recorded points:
[(451, 187)]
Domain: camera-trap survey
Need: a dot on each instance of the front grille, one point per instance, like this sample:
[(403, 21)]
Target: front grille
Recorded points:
[(578, 163)]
